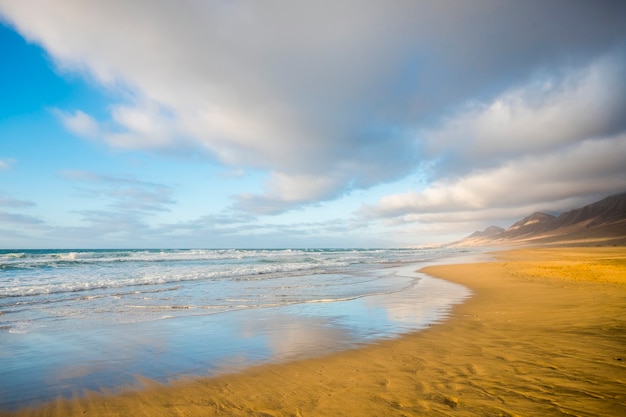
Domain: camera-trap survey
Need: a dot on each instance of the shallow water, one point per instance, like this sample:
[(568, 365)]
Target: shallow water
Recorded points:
[(76, 320)]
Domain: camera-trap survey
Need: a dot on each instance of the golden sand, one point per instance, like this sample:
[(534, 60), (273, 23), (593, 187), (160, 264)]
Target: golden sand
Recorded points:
[(544, 334)]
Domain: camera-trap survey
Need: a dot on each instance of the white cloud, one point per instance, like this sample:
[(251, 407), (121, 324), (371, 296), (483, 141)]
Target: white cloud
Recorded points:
[(284, 191), (547, 114), (235, 173), (557, 180), (79, 123), (322, 95), (141, 126)]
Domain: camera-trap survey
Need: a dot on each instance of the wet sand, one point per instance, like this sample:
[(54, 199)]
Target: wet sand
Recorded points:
[(544, 334)]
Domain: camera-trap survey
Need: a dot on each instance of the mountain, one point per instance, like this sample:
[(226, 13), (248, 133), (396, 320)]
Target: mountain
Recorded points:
[(603, 222), (488, 232), (535, 223)]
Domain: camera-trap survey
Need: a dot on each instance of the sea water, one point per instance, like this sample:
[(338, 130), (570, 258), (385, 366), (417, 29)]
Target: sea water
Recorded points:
[(76, 320)]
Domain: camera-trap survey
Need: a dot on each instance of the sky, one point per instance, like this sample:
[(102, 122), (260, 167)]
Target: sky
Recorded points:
[(344, 123)]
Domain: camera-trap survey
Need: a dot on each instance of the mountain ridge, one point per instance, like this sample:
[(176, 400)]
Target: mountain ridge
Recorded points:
[(602, 222)]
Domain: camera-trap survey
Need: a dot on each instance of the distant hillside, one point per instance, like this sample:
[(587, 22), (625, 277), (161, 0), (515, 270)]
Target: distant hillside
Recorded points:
[(603, 222), (488, 232)]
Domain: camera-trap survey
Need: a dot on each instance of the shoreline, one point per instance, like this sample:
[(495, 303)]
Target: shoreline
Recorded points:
[(543, 334), (39, 366)]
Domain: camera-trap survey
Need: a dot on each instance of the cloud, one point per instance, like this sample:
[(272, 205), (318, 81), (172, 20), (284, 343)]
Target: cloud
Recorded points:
[(6, 164), (11, 202), (231, 228), (21, 220), (79, 123), (283, 191), (121, 218), (557, 180), (552, 144), (235, 173), (549, 113), (143, 126), (125, 194), (14, 223), (328, 97)]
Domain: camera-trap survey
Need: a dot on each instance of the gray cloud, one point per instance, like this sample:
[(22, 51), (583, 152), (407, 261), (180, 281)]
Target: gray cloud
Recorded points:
[(108, 228), (229, 229), (120, 221), (329, 97), (12, 202), (558, 180), (23, 220), (15, 223), (547, 114)]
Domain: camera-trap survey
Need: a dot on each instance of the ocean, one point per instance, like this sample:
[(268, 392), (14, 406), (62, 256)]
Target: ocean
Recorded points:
[(77, 320)]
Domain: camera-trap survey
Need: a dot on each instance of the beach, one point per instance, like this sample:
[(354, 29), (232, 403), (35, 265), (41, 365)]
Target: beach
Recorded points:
[(96, 319), (543, 334)]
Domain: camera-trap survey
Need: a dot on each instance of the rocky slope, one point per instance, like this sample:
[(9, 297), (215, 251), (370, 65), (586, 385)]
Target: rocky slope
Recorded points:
[(603, 222)]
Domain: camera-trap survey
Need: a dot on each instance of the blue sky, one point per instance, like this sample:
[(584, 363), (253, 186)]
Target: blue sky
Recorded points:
[(317, 124)]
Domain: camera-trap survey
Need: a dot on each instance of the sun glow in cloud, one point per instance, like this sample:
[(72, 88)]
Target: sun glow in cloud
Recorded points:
[(316, 104)]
